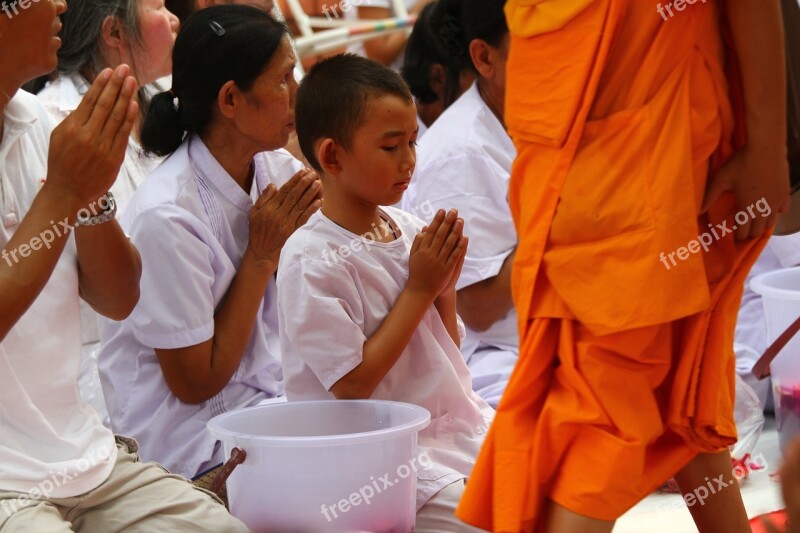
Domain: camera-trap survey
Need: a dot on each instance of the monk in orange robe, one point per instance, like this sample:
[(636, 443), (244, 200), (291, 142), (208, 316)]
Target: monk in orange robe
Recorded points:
[(645, 148)]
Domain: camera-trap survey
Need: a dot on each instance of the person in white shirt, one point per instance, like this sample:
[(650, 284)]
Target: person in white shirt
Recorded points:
[(209, 224), (97, 34), (436, 65), (465, 162), (60, 468), (366, 295)]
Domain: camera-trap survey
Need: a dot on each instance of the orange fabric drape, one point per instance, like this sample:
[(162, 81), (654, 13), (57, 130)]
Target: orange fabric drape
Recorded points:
[(626, 366)]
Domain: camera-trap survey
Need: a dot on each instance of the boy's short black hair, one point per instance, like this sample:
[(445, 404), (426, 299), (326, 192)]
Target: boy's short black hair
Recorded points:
[(333, 98)]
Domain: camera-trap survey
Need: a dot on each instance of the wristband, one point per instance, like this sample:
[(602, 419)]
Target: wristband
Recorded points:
[(108, 213)]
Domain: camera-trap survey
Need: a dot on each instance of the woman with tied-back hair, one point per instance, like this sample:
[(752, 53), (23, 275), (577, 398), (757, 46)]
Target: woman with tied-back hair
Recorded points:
[(210, 224)]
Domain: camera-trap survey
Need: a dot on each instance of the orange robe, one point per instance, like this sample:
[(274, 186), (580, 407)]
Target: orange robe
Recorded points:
[(626, 369)]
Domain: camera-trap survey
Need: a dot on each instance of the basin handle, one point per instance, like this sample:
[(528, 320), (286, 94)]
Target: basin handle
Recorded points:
[(761, 368), (238, 456)]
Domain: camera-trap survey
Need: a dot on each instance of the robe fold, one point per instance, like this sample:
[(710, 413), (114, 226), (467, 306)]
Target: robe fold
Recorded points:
[(626, 369)]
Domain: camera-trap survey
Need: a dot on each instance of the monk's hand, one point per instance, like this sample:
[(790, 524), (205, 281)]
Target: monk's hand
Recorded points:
[(88, 147), (756, 175), (436, 254)]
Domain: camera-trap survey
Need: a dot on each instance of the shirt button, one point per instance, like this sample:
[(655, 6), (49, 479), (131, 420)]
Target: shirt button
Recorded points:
[(10, 219), (480, 431)]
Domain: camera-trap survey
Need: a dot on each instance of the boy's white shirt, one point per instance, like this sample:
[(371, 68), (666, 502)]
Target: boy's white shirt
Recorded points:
[(464, 162), (189, 221), (329, 305), (51, 440)]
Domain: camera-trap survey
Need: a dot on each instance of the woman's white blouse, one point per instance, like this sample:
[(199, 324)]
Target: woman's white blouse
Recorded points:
[(189, 221)]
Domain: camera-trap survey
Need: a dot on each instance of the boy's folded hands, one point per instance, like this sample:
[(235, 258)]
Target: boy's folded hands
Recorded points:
[(437, 255)]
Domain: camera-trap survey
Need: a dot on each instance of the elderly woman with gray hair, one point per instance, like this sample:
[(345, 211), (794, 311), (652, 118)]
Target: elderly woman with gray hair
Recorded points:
[(105, 33)]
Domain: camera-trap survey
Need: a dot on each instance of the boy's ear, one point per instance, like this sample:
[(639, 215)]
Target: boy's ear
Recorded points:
[(227, 98), (328, 156)]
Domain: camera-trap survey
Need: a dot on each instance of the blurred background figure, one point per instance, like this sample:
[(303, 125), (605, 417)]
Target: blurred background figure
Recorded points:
[(105, 33), (437, 66), (386, 49)]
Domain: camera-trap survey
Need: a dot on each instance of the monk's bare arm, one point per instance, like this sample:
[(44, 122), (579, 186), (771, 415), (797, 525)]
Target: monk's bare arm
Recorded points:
[(758, 36), (761, 169)]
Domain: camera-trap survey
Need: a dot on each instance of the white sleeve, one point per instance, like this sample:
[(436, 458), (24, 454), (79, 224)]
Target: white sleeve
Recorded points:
[(278, 166), (321, 318), (470, 184), (786, 248), (176, 306)]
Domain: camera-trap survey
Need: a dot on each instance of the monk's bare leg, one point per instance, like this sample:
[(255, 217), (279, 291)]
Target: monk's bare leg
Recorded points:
[(709, 477), (561, 520)]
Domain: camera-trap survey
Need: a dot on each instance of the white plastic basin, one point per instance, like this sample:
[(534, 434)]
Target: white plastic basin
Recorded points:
[(316, 466), (780, 293)]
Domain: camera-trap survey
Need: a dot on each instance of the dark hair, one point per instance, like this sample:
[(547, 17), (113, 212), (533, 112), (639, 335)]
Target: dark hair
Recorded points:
[(82, 34), (333, 97), (215, 45), (438, 38), (485, 20), (181, 8)]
